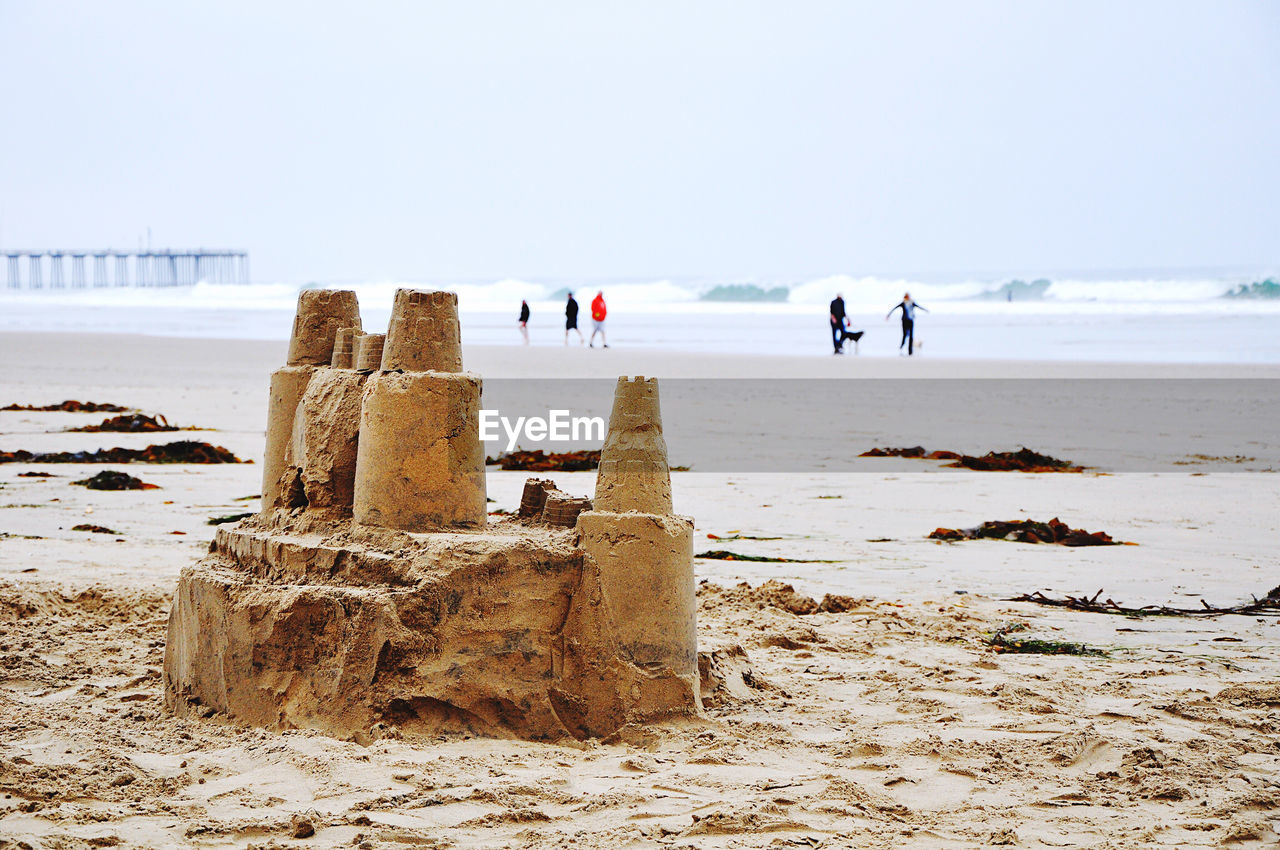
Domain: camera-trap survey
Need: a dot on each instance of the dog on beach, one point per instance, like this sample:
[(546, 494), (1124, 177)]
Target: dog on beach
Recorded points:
[(845, 336)]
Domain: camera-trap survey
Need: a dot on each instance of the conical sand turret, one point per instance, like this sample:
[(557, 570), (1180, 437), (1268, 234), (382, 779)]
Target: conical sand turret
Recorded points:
[(634, 474)]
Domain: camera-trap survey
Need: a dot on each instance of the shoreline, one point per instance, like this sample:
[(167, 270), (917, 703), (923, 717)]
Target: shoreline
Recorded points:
[(58, 350)]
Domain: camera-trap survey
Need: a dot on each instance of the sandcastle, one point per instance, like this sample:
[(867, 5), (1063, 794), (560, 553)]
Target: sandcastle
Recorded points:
[(373, 592)]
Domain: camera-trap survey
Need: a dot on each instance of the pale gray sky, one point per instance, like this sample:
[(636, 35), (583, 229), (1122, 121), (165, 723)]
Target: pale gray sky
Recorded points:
[(474, 139)]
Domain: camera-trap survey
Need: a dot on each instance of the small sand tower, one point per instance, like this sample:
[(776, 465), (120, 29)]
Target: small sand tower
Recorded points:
[(344, 344), (319, 469), (421, 463), (321, 314), (368, 351)]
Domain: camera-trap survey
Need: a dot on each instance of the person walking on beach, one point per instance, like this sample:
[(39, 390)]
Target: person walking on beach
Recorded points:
[(571, 319), (840, 332), (524, 321), (837, 323), (598, 312), (908, 308)]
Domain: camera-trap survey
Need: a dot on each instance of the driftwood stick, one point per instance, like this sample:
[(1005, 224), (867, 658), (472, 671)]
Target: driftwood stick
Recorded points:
[(1269, 606)]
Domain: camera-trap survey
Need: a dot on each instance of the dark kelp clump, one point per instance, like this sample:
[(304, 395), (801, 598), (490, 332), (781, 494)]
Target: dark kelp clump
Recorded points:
[(96, 529), (540, 461), (110, 479), (183, 451), (132, 423), (915, 452), (1023, 460), (71, 406), (1028, 531), (726, 555)]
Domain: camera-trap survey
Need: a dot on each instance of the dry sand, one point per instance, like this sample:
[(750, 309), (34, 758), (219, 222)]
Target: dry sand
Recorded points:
[(891, 724)]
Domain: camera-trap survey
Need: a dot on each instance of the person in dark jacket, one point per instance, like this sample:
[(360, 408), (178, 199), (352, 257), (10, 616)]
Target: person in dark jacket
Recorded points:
[(837, 323), (839, 327), (524, 321), (908, 308), (571, 320)]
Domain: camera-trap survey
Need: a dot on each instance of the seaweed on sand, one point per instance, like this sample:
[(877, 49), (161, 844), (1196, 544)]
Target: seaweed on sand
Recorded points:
[(916, 452), (1000, 641), (70, 406), (182, 451), (96, 529), (1023, 460), (219, 520), (540, 461), (111, 479), (131, 423), (725, 555), (1054, 531)]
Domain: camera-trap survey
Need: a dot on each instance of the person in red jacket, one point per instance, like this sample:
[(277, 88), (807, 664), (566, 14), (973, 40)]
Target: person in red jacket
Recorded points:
[(598, 312)]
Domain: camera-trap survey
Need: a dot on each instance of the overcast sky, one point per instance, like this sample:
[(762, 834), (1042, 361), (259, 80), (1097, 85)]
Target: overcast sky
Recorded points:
[(731, 139)]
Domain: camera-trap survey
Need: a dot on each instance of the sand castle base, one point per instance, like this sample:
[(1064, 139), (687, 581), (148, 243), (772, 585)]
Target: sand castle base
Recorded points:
[(352, 631)]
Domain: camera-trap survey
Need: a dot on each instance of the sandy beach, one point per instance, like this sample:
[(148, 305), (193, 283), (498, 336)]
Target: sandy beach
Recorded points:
[(892, 723)]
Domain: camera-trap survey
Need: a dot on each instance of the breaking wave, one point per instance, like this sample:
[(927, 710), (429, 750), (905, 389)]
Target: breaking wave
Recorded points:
[(506, 294)]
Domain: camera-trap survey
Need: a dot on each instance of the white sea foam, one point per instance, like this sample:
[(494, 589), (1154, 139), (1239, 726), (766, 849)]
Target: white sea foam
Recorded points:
[(1149, 290), (877, 290), (500, 295)]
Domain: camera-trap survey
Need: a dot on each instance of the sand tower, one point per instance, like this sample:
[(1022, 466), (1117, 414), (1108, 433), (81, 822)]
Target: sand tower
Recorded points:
[(368, 351), (344, 348), (641, 553), (319, 469), (634, 475), (420, 465), (321, 314), (424, 335), (371, 594)]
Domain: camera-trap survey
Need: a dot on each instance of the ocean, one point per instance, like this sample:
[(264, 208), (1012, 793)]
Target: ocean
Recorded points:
[(1203, 318)]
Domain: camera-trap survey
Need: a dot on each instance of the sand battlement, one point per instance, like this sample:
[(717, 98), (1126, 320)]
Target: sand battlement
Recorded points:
[(373, 590), (344, 348), (368, 351)]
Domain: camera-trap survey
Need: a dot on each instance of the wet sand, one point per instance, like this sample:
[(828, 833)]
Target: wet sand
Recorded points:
[(886, 725)]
